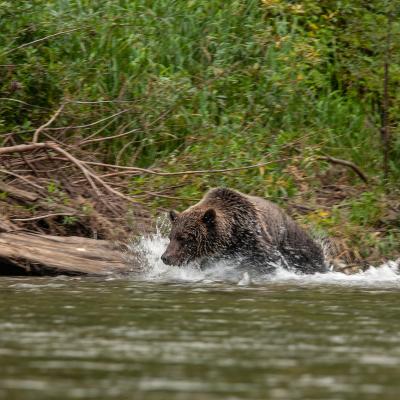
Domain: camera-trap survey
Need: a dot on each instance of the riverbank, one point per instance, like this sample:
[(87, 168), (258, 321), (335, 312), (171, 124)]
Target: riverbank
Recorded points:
[(57, 189), (111, 114)]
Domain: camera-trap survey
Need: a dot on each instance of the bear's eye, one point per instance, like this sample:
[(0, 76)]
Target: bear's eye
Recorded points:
[(180, 238)]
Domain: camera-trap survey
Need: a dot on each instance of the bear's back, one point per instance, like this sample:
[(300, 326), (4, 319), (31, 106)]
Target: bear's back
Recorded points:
[(269, 226), (295, 244)]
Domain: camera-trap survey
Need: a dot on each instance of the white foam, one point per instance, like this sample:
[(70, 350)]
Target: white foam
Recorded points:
[(151, 248), (382, 275)]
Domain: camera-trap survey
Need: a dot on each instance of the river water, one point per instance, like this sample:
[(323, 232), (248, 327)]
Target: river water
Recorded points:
[(171, 333)]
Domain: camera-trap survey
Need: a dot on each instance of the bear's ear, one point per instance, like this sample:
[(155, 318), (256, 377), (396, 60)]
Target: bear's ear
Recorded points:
[(209, 217), (173, 215)]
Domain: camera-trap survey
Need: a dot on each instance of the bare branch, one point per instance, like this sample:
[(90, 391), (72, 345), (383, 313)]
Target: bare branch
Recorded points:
[(129, 170), (54, 146), (4, 171), (97, 132), (62, 128), (87, 125), (49, 122), (346, 163), (22, 102), (94, 179), (100, 101), (88, 175), (102, 139), (47, 216), (22, 148), (43, 39)]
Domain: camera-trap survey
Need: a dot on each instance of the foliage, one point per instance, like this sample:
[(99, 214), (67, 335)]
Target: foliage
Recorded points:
[(212, 85)]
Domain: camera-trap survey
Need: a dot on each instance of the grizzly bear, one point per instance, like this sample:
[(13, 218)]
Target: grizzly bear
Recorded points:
[(227, 224)]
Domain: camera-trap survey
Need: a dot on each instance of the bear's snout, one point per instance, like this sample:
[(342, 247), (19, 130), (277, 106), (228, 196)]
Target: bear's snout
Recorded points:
[(169, 258), (174, 254), (166, 260)]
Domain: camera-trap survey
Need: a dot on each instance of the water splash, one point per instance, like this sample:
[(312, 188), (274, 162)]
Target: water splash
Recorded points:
[(150, 248)]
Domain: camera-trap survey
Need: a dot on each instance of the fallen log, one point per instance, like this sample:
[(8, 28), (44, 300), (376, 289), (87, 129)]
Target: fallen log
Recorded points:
[(49, 255)]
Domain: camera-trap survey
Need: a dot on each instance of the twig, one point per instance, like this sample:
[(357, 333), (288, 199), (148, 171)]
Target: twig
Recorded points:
[(87, 125), (22, 148), (99, 101), (88, 175), (102, 139), (61, 128), (23, 102), (101, 182), (122, 151), (203, 171), (4, 171), (346, 163), (47, 216), (93, 178), (194, 172), (29, 147), (97, 132), (43, 39), (49, 122), (153, 194), (53, 146), (26, 161)]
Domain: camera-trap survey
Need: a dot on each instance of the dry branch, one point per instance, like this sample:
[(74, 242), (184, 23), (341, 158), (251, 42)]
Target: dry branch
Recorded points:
[(48, 216), (345, 163), (23, 102), (90, 176), (22, 148), (18, 194), (87, 174), (43, 39), (102, 139), (189, 172), (23, 178), (49, 122), (61, 128), (128, 170)]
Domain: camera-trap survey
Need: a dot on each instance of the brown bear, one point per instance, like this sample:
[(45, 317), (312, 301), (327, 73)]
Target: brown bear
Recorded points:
[(227, 224)]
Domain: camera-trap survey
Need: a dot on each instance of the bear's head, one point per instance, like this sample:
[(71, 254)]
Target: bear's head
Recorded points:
[(196, 233)]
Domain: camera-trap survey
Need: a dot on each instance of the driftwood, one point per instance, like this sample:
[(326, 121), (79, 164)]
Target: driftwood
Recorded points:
[(45, 254)]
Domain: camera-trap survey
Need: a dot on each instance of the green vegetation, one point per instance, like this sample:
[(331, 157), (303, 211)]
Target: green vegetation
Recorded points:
[(200, 85)]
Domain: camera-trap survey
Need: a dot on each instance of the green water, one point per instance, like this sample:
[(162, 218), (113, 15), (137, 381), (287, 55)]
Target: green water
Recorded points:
[(77, 338)]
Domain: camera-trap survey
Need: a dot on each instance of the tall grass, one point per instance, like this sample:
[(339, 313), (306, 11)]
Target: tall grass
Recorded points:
[(202, 83), (196, 69)]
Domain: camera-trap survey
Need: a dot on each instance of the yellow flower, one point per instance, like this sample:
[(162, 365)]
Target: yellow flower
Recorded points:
[(271, 3), (297, 9)]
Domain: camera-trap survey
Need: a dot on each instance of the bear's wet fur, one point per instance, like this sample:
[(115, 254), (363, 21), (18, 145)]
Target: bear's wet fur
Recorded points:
[(227, 224)]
